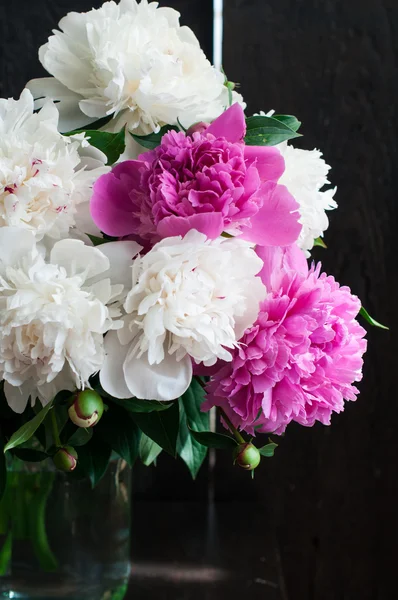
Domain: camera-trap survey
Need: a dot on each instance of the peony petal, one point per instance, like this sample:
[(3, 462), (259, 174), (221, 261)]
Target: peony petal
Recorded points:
[(277, 259), (230, 124), (84, 222), (111, 207), (120, 256), (77, 258), (211, 224), (15, 244), (165, 381), (17, 397), (70, 115), (275, 224), (268, 160), (111, 375)]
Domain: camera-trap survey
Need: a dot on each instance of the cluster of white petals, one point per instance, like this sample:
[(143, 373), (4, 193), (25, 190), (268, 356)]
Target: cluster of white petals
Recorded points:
[(191, 300), (43, 178), (131, 61), (54, 313), (306, 173)]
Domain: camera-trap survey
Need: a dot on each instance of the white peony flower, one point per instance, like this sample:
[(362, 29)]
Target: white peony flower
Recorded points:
[(54, 313), (43, 178), (192, 298), (305, 175), (131, 61)]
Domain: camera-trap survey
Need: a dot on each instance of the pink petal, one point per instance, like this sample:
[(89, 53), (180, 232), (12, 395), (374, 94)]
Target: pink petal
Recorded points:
[(211, 224), (231, 125), (277, 259), (275, 224), (268, 160), (111, 207)]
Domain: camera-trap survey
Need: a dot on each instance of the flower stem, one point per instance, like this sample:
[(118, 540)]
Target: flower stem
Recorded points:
[(57, 439), (231, 426)]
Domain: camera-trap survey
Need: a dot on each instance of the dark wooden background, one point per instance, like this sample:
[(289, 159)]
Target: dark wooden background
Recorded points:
[(320, 520)]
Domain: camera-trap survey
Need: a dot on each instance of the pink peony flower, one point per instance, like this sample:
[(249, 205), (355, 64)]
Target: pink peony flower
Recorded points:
[(300, 358), (208, 181)]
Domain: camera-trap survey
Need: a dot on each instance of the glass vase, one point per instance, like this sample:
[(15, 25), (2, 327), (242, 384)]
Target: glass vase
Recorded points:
[(61, 539)]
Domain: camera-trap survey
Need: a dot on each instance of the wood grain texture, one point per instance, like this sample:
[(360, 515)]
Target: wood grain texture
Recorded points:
[(334, 490)]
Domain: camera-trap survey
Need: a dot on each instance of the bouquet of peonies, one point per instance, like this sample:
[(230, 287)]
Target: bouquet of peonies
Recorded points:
[(153, 258)]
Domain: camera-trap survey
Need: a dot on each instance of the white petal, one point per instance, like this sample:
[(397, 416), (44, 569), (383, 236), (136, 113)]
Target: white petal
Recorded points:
[(15, 244), (70, 115), (258, 293), (17, 397), (111, 375), (165, 381), (76, 258), (84, 221), (120, 256)]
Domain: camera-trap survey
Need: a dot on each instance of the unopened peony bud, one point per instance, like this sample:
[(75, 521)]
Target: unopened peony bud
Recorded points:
[(198, 128), (247, 456), (87, 409), (65, 459)]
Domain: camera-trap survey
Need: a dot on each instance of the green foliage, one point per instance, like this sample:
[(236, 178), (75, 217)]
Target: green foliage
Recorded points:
[(364, 313), (3, 467), (268, 131), (119, 431), (95, 125), (152, 140), (149, 450), (79, 437), (192, 452), (93, 460), (29, 455), (161, 426), (141, 406), (269, 449), (319, 242), (24, 433), (111, 144), (214, 440), (288, 120)]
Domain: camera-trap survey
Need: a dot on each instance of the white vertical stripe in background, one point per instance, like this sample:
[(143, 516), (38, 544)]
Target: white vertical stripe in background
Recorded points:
[(217, 33)]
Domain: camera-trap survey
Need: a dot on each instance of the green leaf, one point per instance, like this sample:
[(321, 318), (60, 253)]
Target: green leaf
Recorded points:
[(141, 406), (111, 144), (80, 437), (25, 432), (161, 426), (214, 440), (288, 120), (97, 241), (364, 313), (28, 455), (149, 450), (268, 450), (267, 131), (120, 432), (93, 459), (91, 126), (63, 398), (319, 242), (152, 140), (3, 467), (188, 448)]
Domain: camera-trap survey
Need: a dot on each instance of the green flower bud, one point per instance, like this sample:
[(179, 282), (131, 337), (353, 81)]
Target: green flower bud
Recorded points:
[(65, 459), (87, 408), (247, 456)]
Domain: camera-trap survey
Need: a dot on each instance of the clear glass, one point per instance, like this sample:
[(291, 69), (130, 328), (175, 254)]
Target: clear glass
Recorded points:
[(61, 539)]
